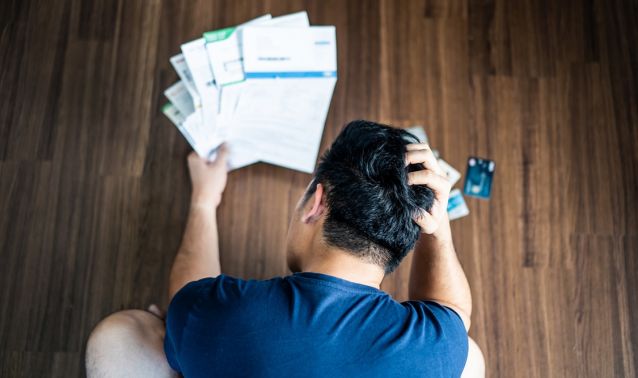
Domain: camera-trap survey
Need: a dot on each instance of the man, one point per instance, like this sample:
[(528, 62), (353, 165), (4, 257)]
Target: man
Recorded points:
[(374, 191)]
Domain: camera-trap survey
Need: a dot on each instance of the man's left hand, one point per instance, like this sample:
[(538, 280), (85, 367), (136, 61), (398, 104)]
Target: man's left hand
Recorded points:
[(208, 178)]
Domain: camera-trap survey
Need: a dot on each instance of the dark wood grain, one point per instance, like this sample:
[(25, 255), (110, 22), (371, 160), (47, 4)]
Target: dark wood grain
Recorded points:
[(94, 189)]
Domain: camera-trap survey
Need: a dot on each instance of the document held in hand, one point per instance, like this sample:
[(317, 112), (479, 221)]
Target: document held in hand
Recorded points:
[(290, 76), (225, 50), (263, 87)]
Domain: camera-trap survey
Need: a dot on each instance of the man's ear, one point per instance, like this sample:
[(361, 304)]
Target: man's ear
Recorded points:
[(317, 206)]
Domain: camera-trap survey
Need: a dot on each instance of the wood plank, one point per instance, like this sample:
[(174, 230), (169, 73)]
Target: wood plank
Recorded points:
[(94, 188)]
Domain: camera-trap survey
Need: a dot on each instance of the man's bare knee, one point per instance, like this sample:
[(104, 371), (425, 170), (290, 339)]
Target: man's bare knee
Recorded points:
[(123, 325), (475, 365), (124, 342)]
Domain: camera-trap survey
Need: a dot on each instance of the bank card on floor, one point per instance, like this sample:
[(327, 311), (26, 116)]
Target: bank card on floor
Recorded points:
[(419, 132), (452, 174), (456, 206), (478, 177)]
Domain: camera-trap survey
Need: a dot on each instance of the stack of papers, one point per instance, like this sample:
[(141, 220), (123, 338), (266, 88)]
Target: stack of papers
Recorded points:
[(263, 87)]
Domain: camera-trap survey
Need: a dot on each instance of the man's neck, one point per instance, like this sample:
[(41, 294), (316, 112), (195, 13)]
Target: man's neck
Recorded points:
[(341, 264)]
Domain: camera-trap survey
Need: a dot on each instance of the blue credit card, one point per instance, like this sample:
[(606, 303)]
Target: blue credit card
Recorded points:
[(456, 206), (478, 177)]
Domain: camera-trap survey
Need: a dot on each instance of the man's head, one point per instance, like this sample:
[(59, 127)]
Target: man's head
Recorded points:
[(359, 200)]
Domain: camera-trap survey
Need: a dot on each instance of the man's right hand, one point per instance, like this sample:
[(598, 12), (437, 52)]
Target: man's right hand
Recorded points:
[(435, 222), (208, 178)]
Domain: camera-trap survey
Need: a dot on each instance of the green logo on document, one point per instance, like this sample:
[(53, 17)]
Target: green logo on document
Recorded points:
[(218, 35), (167, 107)]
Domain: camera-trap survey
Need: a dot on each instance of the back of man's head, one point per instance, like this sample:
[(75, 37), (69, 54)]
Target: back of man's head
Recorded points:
[(370, 204)]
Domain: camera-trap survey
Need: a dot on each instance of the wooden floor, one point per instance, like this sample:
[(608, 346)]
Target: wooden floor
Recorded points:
[(94, 188)]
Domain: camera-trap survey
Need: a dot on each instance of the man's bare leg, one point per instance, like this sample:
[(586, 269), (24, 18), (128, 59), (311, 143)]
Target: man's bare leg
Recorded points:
[(128, 344), (475, 364)]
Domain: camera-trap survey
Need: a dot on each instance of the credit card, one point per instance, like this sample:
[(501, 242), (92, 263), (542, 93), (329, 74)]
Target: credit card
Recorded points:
[(452, 174), (478, 178), (456, 206), (419, 132)]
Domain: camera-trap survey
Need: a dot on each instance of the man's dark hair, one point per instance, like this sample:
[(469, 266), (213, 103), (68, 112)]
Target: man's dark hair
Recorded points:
[(370, 206)]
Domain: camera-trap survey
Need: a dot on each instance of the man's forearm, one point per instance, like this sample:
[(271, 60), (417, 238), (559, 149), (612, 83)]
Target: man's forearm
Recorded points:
[(437, 274), (198, 255)]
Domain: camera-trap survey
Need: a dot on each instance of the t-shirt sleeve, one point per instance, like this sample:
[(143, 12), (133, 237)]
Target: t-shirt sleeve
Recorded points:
[(444, 328), (177, 316)]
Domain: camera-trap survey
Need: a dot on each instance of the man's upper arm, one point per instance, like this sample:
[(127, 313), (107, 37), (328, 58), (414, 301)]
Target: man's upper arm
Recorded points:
[(465, 318), (177, 315), (446, 329)]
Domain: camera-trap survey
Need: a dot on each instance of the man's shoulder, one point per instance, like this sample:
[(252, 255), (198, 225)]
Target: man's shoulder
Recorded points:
[(432, 310), (224, 295), (225, 287), (443, 323)]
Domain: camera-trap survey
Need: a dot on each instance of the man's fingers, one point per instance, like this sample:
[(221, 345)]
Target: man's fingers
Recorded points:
[(417, 146), (437, 183), (425, 157), (194, 161), (218, 155), (422, 154), (193, 156), (426, 221), (433, 177), (222, 151)]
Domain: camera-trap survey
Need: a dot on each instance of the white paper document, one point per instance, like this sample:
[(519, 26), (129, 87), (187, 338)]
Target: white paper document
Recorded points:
[(451, 173), (224, 46), (263, 88), (419, 132), (178, 95), (178, 120), (197, 60), (290, 76), (179, 64), (173, 114)]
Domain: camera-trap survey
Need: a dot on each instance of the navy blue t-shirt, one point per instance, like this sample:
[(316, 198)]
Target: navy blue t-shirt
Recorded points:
[(309, 325)]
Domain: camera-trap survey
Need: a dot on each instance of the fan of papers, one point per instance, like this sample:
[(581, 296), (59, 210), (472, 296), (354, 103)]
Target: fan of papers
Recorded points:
[(263, 88)]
